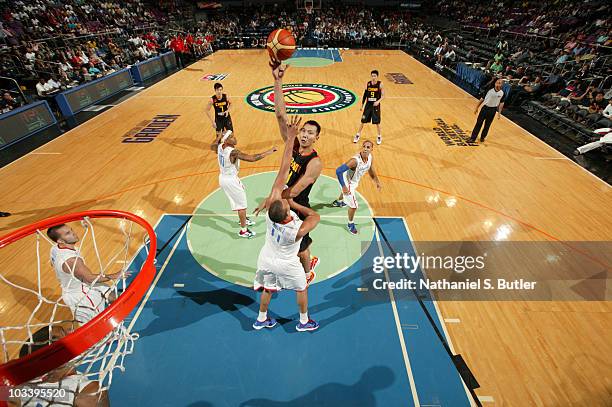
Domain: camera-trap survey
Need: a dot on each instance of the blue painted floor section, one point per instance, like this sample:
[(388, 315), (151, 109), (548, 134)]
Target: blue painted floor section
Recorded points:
[(332, 53), (197, 347)]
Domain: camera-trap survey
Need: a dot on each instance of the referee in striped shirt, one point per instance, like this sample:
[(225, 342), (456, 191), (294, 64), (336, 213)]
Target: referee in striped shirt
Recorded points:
[(492, 102)]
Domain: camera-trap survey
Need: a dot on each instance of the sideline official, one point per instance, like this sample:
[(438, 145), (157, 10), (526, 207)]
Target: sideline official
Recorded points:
[(492, 102)]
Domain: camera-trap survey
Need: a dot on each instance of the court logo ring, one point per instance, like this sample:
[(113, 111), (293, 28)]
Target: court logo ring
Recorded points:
[(304, 98)]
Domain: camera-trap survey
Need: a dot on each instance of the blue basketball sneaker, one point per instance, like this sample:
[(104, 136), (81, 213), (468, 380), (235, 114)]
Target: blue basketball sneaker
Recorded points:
[(311, 325), (268, 323), (338, 204), (351, 228)]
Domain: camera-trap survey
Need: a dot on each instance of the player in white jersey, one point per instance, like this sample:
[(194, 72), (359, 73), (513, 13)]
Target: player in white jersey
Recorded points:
[(349, 175), (228, 158), (82, 290), (65, 386), (278, 266)]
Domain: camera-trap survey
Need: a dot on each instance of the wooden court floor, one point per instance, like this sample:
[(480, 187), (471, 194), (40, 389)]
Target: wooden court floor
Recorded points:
[(523, 353)]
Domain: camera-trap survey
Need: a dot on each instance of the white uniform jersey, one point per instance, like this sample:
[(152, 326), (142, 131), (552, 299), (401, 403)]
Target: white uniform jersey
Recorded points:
[(278, 266), (59, 255), (226, 167), (280, 239), (352, 177), (84, 300)]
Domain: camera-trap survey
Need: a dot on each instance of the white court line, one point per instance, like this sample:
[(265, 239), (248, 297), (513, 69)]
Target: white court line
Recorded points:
[(452, 320), (161, 271), (486, 399), (188, 96), (415, 396), (440, 318), (243, 96), (214, 214), (43, 153)]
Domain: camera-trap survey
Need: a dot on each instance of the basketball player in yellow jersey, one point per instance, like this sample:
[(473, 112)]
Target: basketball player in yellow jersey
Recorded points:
[(372, 96), (222, 104)]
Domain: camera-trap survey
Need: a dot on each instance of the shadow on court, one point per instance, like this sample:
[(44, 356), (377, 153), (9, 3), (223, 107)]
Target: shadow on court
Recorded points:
[(202, 297), (359, 394)]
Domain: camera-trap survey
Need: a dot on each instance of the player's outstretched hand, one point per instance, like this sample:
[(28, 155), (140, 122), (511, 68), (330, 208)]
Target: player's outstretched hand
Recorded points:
[(278, 70), (293, 127), (261, 207)]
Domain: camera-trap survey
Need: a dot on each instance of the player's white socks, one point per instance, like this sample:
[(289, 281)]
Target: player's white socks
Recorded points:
[(243, 229), (262, 316), (303, 318)]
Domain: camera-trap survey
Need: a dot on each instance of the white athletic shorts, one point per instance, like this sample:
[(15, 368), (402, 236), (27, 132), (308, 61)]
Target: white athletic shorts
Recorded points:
[(87, 303), (234, 190), (274, 274), (351, 198)]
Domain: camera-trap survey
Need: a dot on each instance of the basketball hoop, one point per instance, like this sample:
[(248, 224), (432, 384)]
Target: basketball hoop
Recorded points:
[(98, 346), (308, 6)]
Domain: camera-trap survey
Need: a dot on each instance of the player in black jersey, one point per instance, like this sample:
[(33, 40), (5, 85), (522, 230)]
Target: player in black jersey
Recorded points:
[(222, 104), (305, 165), (372, 96)]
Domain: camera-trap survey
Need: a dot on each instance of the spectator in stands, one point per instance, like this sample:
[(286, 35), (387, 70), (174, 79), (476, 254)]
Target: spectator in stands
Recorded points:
[(563, 57), (93, 71), (597, 106), (53, 85), (450, 55), (177, 45), (526, 91), (471, 54), (499, 57), (607, 112), (84, 75), (502, 45), (8, 103), (570, 45), (41, 87), (496, 67)]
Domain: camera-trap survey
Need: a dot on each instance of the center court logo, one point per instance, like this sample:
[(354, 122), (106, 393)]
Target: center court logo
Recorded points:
[(302, 98)]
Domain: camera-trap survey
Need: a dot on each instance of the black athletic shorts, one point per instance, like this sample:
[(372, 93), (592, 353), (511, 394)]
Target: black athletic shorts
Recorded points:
[(224, 123), (306, 239), (371, 113)]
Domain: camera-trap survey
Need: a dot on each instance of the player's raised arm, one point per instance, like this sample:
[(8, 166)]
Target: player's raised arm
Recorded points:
[(84, 274), (278, 71), (237, 154), (283, 172), (292, 130), (311, 219)]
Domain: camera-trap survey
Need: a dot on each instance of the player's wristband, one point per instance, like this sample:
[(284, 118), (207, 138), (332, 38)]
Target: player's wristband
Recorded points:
[(339, 171)]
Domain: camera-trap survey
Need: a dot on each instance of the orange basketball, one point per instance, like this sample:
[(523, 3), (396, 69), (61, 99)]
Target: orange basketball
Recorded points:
[(281, 44)]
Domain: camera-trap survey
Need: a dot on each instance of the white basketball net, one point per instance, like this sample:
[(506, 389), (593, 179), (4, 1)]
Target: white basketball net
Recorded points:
[(51, 316)]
